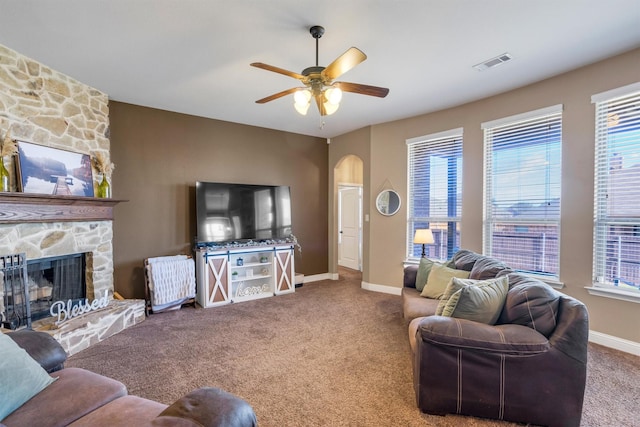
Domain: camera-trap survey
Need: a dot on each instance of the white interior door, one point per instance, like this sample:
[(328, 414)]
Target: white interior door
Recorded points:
[(349, 227)]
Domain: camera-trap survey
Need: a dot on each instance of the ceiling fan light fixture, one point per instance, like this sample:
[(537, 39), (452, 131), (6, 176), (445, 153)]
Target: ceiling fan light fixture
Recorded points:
[(302, 101), (329, 108), (332, 97)]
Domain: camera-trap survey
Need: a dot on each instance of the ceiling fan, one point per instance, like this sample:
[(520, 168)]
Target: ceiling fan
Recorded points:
[(319, 82)]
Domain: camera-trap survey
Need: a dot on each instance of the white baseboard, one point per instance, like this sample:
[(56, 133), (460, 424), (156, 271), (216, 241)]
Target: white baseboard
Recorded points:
[(318, 277), (614, 342), (381, 288)]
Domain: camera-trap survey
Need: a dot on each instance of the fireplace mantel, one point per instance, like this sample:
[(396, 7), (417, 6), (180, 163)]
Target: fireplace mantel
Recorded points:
[(16, 208)]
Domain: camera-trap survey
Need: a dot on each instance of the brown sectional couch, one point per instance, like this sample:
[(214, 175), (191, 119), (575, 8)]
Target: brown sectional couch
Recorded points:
[(82, 398), (529, 367)]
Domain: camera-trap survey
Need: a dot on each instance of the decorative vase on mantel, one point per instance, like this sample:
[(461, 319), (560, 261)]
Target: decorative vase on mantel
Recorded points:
[(4, 177), (104, 189)]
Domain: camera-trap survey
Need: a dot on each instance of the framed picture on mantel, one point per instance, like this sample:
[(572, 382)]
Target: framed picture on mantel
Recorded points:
[(46, 170)]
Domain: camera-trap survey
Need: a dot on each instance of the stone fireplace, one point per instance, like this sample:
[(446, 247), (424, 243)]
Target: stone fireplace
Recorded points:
[(43, 106), (54, 240)]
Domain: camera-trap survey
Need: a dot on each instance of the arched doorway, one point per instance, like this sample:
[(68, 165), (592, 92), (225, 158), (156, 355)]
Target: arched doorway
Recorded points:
[(348, 179)]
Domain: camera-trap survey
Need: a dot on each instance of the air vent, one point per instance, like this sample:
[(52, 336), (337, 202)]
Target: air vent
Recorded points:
[(490, 63)]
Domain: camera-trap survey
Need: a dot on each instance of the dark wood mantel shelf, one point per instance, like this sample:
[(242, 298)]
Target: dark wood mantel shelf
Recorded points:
[(16, 208)]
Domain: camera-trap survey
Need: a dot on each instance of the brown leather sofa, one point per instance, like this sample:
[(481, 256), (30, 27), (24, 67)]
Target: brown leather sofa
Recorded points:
[(82, 398), (530, 367)]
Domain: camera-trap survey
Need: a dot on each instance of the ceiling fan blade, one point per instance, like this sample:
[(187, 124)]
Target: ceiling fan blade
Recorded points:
[(277, 95), (320, 104), (352, 57), (277, 70), (380, 92)]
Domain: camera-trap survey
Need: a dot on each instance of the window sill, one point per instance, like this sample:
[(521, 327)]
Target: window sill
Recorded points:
[(554, 283), (610, 292)]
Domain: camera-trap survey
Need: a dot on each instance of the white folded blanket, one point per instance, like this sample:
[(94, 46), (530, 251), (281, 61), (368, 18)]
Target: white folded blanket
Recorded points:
[(171, 279)]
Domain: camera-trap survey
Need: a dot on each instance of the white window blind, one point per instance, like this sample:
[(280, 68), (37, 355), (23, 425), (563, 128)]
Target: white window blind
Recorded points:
[(522, 190), (617, 189), (435, 192)]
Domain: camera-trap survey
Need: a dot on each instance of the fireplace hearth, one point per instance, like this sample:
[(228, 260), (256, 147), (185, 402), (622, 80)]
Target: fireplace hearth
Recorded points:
[(36, 285)]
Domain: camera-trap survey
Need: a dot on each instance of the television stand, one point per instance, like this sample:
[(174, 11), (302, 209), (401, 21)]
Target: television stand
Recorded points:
[(241, 274)]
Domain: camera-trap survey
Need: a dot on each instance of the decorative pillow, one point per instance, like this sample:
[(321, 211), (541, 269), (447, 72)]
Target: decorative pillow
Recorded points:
[(487, 268), (464, 259), (531, 303), (423, 273), (477, 300), (21, 377), (438, 280)]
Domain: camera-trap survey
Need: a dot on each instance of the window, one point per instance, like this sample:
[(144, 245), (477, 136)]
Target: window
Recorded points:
[(617, 189), (435, 192), (522, 190)]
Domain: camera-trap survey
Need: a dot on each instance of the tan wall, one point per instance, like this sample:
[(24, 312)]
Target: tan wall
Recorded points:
[(573, 90), (160, 155), (349, 170)]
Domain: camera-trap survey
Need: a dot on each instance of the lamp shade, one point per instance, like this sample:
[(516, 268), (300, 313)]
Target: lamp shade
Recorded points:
[(424, 236)]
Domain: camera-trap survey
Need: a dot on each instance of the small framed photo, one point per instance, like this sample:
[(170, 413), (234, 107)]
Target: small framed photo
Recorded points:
[(46, 170)]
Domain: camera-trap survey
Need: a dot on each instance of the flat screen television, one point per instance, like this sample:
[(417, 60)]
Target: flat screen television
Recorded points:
[(227, 212)]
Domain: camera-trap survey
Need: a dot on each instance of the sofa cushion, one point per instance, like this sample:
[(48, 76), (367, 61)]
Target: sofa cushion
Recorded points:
[(477, 337), (413, 305), (74, 394), (42, 347), (413, 329), (438, 280), (423, 272), (487, 268), (409, 276), (477, 300), (531, 303), (123, 411), (465, 259), (21, 377), (209, 406)]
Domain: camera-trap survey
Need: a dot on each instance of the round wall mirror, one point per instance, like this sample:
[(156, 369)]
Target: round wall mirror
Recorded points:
[(388, 202)]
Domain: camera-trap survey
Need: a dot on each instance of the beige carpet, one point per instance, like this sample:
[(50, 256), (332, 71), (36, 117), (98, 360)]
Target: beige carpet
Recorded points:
[(331, 354)]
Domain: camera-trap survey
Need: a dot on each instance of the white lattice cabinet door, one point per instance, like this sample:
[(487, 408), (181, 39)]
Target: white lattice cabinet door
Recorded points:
[(284, 270), (213, 280)]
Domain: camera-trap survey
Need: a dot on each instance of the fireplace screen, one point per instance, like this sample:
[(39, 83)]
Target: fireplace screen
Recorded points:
[(31, 286), (55, 279)]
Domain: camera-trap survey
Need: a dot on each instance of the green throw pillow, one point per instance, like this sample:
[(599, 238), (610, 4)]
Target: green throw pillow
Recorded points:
[(477, 300), (439, 278), (423, 273), (21, 377)]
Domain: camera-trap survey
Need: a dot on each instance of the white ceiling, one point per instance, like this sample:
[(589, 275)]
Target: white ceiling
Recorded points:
[(193, 56)]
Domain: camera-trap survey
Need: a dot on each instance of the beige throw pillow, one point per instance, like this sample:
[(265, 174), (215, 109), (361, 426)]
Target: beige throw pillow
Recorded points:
[(423, 273), (439, 278)]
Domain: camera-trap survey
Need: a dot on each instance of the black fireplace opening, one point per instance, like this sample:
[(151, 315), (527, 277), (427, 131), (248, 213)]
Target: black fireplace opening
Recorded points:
[(59, 278)]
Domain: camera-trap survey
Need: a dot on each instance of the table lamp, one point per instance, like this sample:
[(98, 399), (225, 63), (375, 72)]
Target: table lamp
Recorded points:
[(424, 236)]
